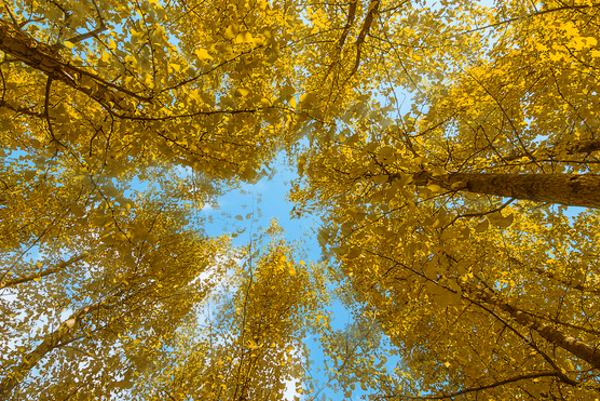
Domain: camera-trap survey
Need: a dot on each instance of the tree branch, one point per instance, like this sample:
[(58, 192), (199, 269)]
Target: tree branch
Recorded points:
[(45, 59), (45, 272), (513, 379)]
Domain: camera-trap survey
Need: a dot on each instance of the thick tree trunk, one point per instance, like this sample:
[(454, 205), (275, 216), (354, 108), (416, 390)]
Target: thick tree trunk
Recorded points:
[(565, 189), (18, 44), (580, 349), (54, 339)]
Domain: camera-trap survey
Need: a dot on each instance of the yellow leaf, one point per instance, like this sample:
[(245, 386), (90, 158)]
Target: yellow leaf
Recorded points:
[(230, 32), (501, 221), (482, 226), (244, 37), (434, 188), (570, 29), (242, 92), (380, 179), (202, 54)]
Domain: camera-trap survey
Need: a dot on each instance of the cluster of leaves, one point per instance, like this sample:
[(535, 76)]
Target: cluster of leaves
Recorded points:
[(446, 223), (120, 120), (249, 344), (480, 294)]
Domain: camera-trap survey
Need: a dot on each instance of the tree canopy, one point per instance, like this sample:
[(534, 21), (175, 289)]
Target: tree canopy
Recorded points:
[(450, 148)]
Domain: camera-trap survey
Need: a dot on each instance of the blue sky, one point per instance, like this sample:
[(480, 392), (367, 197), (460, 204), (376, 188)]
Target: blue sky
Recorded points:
[(265, 201)]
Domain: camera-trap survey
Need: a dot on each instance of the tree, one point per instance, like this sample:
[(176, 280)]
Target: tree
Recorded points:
[(252, 348), (495, 309), (153, 84), (126, 289), (93, 98), (472, 287), (121, 119)]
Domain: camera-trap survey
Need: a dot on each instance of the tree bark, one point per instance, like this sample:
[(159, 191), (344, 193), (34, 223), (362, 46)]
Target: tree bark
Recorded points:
[(565, 189), (574, 148), (45, 272), (584, 146), (52, 340), (20, 45), (578, 348)]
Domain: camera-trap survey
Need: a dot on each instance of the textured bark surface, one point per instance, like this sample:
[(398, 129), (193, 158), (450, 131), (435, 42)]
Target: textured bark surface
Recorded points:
[(578, 147), (578, 348), (18, 44), (564, 189), (584, 147)]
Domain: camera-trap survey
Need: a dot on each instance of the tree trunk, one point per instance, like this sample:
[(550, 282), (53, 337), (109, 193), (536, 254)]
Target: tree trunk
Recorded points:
[(44, 273), (584, 146), (18, 44), (565, 189), (52, 340), (574, 148), (579, 349)]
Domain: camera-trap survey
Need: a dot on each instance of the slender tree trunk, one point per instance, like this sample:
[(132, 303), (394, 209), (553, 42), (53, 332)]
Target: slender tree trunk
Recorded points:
[(29, 111), (584, 146), (43, 273), (574, 148), (578, 348), (52, 340), (565, 189)]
